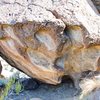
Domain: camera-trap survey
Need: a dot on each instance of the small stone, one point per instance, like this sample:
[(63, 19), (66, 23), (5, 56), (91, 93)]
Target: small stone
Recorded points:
[(35, 99)]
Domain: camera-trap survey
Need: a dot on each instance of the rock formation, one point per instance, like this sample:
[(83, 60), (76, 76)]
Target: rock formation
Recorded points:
[(50, 39)]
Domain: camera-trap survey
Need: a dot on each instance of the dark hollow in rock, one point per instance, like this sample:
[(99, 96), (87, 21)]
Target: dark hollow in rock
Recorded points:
[(68, 79), (30, 84)]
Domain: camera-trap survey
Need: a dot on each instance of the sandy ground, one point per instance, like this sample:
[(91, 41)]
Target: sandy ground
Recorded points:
[(64, 91)]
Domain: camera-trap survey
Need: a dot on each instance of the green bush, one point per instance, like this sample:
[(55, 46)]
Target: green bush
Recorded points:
[(18, 87), (7, 88)]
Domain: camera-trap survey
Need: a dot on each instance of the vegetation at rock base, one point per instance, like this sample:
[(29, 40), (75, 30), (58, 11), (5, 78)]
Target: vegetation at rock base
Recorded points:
[(18, 87), (8, 87)]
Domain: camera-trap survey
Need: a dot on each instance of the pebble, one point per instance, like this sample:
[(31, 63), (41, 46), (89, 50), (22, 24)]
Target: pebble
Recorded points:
[(35, 99)]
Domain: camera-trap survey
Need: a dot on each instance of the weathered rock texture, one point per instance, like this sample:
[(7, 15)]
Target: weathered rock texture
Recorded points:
[(50, 39)]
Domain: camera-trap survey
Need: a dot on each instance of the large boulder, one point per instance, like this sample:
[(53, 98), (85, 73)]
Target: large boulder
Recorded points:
[(47, 40)]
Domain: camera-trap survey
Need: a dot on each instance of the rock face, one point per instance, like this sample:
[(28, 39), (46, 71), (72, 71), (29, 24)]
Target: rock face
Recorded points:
[(47, 40)]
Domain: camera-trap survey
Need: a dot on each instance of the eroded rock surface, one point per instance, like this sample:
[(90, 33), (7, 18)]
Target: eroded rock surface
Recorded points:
[(48, 40)]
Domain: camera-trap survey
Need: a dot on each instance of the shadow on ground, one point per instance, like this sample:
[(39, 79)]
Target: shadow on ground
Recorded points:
[(64, 91)]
